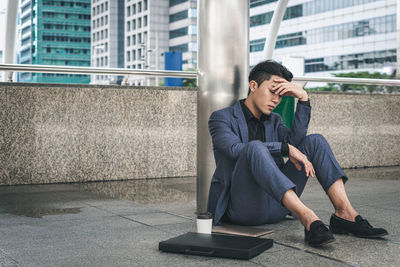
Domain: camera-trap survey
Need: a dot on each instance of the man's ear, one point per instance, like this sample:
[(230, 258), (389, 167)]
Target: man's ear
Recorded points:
[(253, 85)]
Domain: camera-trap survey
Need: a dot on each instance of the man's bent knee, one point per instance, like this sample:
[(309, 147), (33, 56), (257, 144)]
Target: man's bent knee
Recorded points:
[(315, 139)]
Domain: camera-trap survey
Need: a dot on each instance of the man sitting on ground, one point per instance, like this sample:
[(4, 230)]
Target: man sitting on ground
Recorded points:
[(252, 185)]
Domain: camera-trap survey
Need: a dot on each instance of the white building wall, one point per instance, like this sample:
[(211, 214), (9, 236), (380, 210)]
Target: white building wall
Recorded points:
[(189, 58), (142, 27), (362, 44)]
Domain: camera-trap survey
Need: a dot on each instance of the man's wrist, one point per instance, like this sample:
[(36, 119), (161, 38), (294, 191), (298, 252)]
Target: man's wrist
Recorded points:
[(285, 149), (304, 98)]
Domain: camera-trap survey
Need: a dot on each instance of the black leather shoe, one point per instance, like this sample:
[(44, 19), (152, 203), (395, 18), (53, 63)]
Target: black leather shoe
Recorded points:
[(360, 227), (318, 235)]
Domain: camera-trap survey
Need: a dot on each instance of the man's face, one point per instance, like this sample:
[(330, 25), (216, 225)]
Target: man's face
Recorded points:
[(263, 97)]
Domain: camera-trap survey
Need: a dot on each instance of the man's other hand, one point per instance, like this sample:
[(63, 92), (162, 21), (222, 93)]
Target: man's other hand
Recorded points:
[(285, 88), (296, 157)]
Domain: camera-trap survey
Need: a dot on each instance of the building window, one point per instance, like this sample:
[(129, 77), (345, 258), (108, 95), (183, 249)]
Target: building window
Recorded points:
[(180, 48), (134, 24), (257, 45), (176, 2), (145, 5), (145, 21), (139, 7), (139, 23), (106, 33), (265, 18), (128, 11), (102, 21), (106, 19), (134, 39), (140, 38), (128, 26), (178, 32), (128, 41), (254, 3), (102, 8), (128, 56), (178, 16), (134, 9), (106, 6)]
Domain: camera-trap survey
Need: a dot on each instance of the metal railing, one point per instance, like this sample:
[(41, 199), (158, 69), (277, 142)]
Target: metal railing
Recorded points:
[(179, 74), (97, 71)]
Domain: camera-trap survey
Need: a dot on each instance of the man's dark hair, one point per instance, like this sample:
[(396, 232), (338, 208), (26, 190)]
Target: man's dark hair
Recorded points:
[(265, 69)]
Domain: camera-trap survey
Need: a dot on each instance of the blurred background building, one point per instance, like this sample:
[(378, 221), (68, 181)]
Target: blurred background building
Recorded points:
[(183, 31), (107, 43), (54, 32), (331, 36), (146, 37)]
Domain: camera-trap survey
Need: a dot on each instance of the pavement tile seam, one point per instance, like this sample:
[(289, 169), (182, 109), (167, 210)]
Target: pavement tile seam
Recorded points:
[(179, 215), (317, 254), (124, 213), (142, 223), (9, 258)]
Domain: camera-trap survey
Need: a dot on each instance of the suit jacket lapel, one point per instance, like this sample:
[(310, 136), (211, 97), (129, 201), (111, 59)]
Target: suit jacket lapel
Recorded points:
[(238, 114)]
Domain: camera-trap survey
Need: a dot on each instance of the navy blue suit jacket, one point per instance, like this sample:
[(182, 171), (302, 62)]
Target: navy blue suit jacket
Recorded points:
[(229, 133)]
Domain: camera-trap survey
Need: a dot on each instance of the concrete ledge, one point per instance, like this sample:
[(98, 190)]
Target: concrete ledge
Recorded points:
[(74, 133), (63, 133), (362, 129)]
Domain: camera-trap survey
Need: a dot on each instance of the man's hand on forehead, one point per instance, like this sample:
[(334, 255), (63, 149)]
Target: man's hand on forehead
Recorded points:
[(285, 88)]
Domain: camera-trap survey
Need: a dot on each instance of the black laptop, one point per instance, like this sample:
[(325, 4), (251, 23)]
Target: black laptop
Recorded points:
[(216, 245)]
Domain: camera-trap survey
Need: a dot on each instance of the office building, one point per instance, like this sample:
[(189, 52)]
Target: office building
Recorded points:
[(146, 37), (153, 27), (54, 32), (183, 31), (107, 38), (331, 36)]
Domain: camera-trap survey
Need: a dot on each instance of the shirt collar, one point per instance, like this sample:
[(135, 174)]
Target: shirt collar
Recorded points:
[(248, 115)]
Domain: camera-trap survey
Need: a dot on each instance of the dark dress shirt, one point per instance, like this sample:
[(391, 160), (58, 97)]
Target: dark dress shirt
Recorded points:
[(256, 129)]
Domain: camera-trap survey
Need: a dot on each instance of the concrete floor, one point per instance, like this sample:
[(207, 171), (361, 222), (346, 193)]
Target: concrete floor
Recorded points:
[(121, 223)]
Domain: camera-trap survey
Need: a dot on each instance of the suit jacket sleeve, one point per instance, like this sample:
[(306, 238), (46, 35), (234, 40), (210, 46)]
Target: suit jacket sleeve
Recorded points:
[(226, 137), (299, 129)]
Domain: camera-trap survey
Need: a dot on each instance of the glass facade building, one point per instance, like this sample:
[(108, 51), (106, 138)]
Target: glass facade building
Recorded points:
[(54, 32), (331, 36)]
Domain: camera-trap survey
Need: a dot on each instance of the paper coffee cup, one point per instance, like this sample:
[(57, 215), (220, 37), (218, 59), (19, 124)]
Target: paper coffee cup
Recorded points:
[(204, 223)]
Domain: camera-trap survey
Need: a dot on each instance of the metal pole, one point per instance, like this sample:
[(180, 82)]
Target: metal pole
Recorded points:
[(274, 28), (223, 62), (11, 25), (157, 59), (398, 41)]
